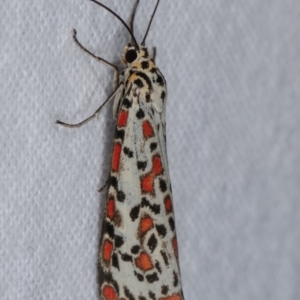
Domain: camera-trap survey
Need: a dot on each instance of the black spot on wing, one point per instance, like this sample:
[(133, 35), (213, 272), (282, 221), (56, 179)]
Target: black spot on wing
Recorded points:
[(152, 295), (120, 133), (172, 223), (165, 257), (152, 242), (140, 277), (154, 207), (134, 213), (153, 146), (142, 165), (145, 65), (126, 103), (146, 78), (113, 182), (115, 261), (162, 185), (158, 267), (148, 97), (145, 202), (152, 277), (139, 83), (163, 95), (128, 294), (135, 249), (128, 152), (140, 114), (175, 279), (109, 229), (119, 241), (121, 196), (161, 229), (114, 283), (126, 257), (159, 80), (164, 289)]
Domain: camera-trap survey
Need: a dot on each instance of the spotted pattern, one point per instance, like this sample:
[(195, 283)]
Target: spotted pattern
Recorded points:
[(138, 257)]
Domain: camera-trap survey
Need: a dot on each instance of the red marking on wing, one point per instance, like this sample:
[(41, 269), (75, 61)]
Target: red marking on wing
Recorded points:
[(109, 293), (173, 297), (147, 130), (144, 262), (168, 204), (157, 165), (175, 246), (116, 157), (107, 250), (122, 119), (146, 224), (110, 208), (147, 183)]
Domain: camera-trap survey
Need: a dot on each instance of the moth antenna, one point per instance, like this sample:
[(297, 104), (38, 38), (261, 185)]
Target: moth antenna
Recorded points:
[(120, 19), (132, 18), (144, 39)]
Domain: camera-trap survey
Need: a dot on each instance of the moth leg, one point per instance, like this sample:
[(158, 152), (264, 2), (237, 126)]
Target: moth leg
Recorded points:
[(96, 113), (103, 186), (132, 18), (100, 59), (154, 54)]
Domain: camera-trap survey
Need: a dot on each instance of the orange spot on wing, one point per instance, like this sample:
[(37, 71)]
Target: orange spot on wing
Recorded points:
[(107, 250), (147, 130), (144, 262), (109, 293), (146, 224), (157, 165), (116, 157), (122, 119), (147, 183), (168, 204), (110, 208), (173, 297)]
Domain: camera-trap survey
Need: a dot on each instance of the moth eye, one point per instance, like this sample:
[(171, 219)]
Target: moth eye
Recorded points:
[(131, 56)]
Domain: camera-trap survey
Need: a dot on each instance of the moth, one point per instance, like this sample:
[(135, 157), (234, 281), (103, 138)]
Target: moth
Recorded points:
[(138, 256)]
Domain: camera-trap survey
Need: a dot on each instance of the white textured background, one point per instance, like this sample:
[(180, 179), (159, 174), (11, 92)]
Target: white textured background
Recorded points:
[(233, 72)]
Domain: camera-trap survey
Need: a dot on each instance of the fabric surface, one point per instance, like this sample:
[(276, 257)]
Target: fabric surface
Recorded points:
[(233, 122)]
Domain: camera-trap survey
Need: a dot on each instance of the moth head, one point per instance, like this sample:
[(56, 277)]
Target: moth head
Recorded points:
[(133, 54)]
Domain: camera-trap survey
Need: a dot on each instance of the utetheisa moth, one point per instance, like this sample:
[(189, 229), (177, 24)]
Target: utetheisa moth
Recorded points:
[(138, 257)]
